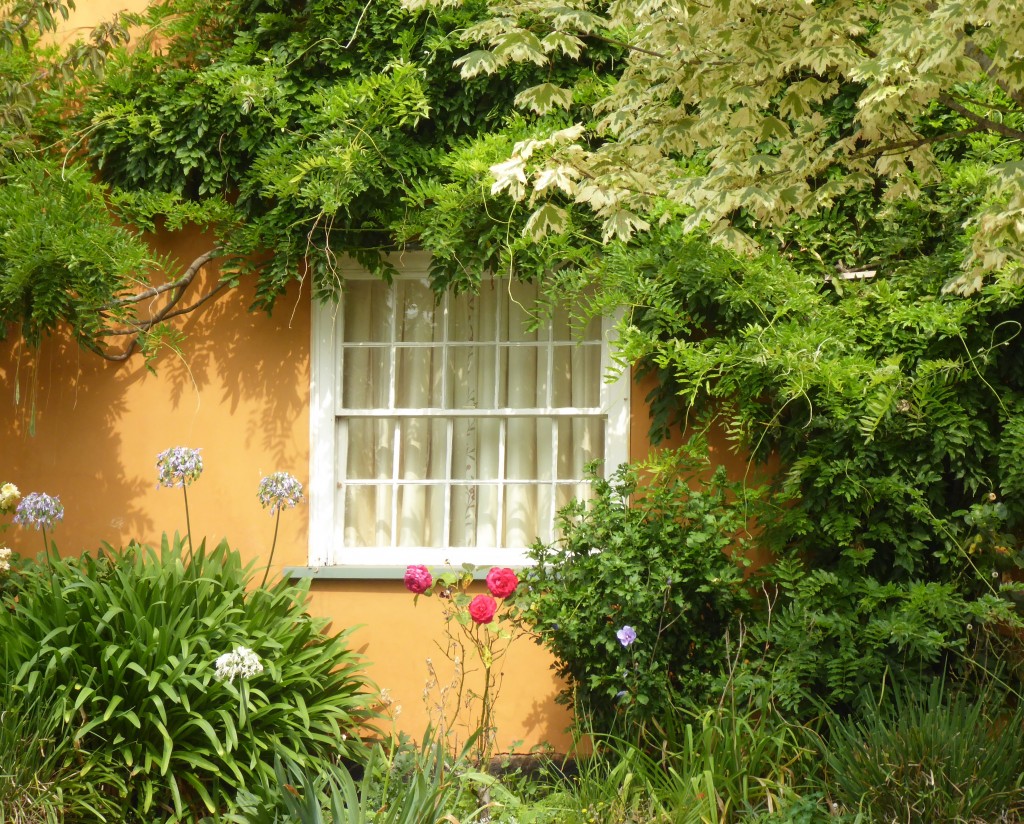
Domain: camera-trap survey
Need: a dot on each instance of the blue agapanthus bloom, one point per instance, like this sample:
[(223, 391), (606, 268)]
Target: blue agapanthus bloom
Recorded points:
[(178, 466), (280, 491), (39, 510)]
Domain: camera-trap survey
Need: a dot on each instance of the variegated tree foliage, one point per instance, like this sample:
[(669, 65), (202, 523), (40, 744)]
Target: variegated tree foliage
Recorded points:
[(727, 109)]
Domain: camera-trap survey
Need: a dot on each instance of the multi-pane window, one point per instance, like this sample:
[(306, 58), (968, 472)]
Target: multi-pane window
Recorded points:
[(460, 424)]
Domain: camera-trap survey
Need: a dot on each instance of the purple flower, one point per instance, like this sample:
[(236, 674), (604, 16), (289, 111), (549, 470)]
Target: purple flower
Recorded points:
[(280, 491), (178, 466), (39, 510), (626, 635)]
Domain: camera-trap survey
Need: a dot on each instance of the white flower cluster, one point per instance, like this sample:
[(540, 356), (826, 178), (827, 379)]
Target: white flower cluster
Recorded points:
[(9, 495), (5, 559), (241, 662)]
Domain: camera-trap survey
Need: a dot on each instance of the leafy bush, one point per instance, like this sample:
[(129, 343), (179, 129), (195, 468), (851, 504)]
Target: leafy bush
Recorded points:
[(126, 642), (924, 756), (638, 597)]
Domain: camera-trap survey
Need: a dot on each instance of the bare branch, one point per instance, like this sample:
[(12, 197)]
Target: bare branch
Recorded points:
[(972, 50), (983, 122), (181, 283), (171, 309), (914, 143)]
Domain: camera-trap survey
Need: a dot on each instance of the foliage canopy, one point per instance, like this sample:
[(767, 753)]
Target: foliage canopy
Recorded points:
[(739, 116)]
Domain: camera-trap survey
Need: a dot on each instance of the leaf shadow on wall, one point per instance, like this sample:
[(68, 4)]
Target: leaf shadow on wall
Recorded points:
[(64, 437)]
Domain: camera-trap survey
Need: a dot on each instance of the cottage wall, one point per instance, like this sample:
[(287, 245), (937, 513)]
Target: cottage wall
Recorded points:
[(89, 431)]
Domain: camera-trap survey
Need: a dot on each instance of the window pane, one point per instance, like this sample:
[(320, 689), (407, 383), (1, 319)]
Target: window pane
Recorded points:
[(526, 451), (577, 375), (369, 443), (421, 515), (521, 512), (472, 377), (580, 441), (476, 449), (418, 378), (523, 379), (365, 377), (565, 326), (369, 307), (474, 515), (367, 520), (416, 312), (423, 449), (474, 318), (516, 313)]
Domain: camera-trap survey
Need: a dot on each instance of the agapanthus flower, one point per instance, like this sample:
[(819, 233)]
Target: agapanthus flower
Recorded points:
[(241, 662), (178, 466), (280, 491), (626, 635), (5, 559), (39, 510), (9, 495)]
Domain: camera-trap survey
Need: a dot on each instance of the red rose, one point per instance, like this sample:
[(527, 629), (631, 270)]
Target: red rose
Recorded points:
[(502, 582), (482, 609), (417, 579)]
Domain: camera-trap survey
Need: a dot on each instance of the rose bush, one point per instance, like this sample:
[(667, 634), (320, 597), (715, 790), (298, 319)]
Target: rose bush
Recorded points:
[(471, 627)]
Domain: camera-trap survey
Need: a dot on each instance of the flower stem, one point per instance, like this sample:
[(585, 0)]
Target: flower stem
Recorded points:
[(273, 546), (46, 544), (188, 522)]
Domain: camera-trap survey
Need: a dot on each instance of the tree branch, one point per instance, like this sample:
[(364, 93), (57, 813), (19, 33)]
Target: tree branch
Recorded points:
[(983, 122), (972, 51), (171, 310), (902, 145), (181, 283)]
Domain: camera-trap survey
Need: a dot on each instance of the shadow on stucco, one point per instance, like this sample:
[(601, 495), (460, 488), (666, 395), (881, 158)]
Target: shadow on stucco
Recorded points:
[(61, 436)]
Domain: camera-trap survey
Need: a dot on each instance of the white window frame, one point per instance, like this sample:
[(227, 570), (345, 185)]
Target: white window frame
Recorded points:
[(326, 547)]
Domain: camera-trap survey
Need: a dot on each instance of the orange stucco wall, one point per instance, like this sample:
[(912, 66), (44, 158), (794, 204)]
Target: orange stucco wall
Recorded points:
[(89, 431)]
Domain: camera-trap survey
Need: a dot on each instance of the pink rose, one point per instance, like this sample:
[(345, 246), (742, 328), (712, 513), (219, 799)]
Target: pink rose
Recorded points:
[(417, 579), (502, 582), (482, 609)]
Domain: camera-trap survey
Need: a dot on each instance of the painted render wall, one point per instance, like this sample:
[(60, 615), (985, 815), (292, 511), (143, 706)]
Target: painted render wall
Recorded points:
[(89, 431)]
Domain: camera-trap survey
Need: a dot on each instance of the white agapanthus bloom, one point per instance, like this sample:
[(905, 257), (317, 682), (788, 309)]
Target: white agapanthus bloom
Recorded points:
[(241, 662)]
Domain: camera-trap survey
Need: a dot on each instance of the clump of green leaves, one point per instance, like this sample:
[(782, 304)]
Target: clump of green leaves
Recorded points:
[(42, 779), (925, 755), (124, 643), (638, 598)]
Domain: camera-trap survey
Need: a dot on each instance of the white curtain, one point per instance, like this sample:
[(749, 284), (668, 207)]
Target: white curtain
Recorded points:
[(420, 468)]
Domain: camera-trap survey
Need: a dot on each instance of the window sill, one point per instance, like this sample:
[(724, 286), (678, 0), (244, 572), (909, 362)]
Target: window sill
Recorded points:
[(360, 572)]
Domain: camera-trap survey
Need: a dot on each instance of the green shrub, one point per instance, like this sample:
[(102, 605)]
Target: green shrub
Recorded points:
[(126, 643), (661, 561), (923, 756)]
